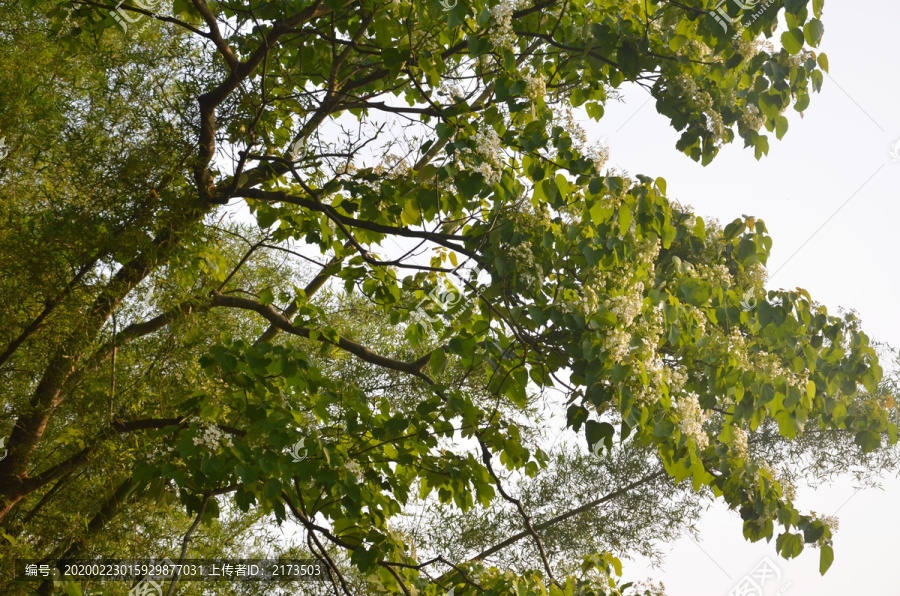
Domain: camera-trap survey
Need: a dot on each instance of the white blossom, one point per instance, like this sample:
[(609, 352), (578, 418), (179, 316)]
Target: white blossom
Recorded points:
[(741, 446), (525, 265), (676, 379), (627, 306), (501, 35), (210, 436), (354, 469), (691, 417), (617, 343), (535, 87), (489, 149)]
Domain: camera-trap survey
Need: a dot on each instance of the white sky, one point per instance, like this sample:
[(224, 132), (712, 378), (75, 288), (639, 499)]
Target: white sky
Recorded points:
[(839, 148)]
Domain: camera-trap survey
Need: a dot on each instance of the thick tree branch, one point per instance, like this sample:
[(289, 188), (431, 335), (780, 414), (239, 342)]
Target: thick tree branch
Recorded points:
[(277, 319), (215, 35), (284, 197)]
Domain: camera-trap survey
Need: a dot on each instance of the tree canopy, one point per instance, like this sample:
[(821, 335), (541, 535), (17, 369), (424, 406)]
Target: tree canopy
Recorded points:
[(374, 233)]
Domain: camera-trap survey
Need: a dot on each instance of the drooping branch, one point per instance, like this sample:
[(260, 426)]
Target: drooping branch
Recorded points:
[(187, 540), (486, 458), (564, 516), (48, 308)]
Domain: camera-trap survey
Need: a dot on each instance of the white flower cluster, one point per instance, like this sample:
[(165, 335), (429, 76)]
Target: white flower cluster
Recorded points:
[(753, 118), (646, 255), (396, 166), (788, 488), (599, 154), (676, 379), (755, 275), (741, 445), (688, 85), (831, 521), (525, 265), (354, 469), (695, 49), (535, 87), (766, 467), (690, 420), (530, 217), (649, 588), (423, 40), (797, 60), (502, 36), (627, 306), (656, 374), (713, 117), (736, 347), (566, 120), (704, 102), (210, 436), (618, 343), (487, 146), (451, 90), (770, 366), (158, 451), (717, 274), (521, 256), (588, 303), (648, 252), (749, 48)]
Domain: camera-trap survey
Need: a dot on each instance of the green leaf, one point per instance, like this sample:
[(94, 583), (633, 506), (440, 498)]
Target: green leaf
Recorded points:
[(734, 228), (868, 440), (599, 433), (788, 426), (792, 41), (629, 62), (594, 110), (826, 558), (694, 291), (266, 296), (813, 31), (625, 218), (439, 361), (770, 105), (600, 214), (781, 127), (661, 185), (817, 7), (817, 80), (762, 146), (563, 185)]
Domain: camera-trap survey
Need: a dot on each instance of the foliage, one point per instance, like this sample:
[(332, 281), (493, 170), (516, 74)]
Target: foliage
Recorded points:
[(392, 144)]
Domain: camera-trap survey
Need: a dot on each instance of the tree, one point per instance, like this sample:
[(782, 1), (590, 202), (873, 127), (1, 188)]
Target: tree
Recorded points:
[(362, 135)]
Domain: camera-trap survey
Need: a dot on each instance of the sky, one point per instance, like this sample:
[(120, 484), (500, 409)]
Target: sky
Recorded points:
[(828, 194)]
